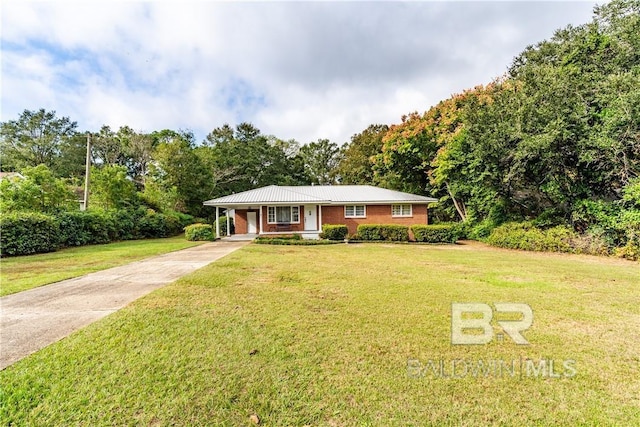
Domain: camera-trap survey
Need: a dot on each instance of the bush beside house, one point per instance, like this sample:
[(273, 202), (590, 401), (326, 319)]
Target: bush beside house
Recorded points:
[(389, 232), (334, 231), (198, 232)]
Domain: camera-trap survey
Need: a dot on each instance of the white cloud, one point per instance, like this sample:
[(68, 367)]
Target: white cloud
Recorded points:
[(296, 70)]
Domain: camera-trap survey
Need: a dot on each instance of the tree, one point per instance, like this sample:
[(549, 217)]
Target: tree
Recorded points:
[(111, 188), (107, 148), (73, 153), (137, 149), (34, 139), (357, 159), (406, 155), (179, 168), (159, 193), (243, 159), (39, 191), (321, 160)]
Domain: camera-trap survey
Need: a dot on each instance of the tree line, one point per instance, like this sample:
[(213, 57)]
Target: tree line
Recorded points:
[(556, 139), (165, 170)]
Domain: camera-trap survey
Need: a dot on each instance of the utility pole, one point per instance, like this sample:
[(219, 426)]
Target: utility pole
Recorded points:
[(87, 173)]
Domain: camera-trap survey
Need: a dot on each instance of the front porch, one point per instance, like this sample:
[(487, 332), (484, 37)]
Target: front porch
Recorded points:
[(281, 219)]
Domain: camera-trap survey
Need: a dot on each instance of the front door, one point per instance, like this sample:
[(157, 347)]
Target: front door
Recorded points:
[(252, 223), (310, 220)]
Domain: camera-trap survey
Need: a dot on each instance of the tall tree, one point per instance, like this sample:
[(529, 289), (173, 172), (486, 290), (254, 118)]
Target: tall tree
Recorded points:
[(321, 159), (356, 163), (73, 153), (137, 149), (178, 166), (107, 148), (407, 151), (242, 158), (34, 139)]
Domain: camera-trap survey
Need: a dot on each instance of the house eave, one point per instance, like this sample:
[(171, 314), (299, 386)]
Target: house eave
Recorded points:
[(322, 203)]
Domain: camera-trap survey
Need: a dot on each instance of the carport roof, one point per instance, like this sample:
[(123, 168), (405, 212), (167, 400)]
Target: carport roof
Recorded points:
[(318, 194)]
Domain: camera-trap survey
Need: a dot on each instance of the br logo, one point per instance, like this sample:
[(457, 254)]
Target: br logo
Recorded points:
[(482, 323)]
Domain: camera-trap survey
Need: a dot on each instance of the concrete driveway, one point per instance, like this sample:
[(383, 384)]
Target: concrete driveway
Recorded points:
[(33, 319)]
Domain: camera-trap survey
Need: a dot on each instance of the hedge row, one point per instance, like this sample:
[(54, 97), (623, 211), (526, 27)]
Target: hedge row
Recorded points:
[(394, 233), (26, 233), (441, 233), (437, 233), (525, 236)]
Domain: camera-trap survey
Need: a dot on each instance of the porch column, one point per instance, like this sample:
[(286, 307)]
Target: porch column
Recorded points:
[(319, 217), (228, 223), (217, 223), (260, 219)]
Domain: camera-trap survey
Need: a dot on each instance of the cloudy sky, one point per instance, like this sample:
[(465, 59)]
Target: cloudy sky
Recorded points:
[(304, 70)]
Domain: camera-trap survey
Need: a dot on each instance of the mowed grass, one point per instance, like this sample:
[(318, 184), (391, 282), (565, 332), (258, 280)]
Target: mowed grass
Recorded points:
[(322, 336), (26, 272)]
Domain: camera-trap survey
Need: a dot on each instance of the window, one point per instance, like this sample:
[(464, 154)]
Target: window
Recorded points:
[(283, 214), (355, 211), (401, 210)]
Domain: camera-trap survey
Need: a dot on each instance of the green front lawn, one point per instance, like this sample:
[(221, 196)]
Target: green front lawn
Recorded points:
[(26, 272), (332, 336)]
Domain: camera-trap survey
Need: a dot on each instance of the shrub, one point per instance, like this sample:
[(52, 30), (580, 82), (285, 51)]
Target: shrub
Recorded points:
[(185, 219), (26, 233), (73, 229), (223, 226), (88, 227), (558, 239), (525, 236), (197, 232), (631, 250), (126, 224), (592, 242), (549, 218), (587, 213), (334, 231), (481, 230), (153, 224), (394, 233), (630, 222), (101, 227), (437, 233)]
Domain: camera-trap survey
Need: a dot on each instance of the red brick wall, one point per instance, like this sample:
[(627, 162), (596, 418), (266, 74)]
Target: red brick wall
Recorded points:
[(376, 214), (240, 221)]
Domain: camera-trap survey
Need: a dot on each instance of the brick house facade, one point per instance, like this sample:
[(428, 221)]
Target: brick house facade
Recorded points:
[(303, 209)]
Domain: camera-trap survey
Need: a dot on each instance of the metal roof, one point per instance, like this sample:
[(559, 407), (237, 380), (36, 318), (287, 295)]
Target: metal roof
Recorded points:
[(318, 194)]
